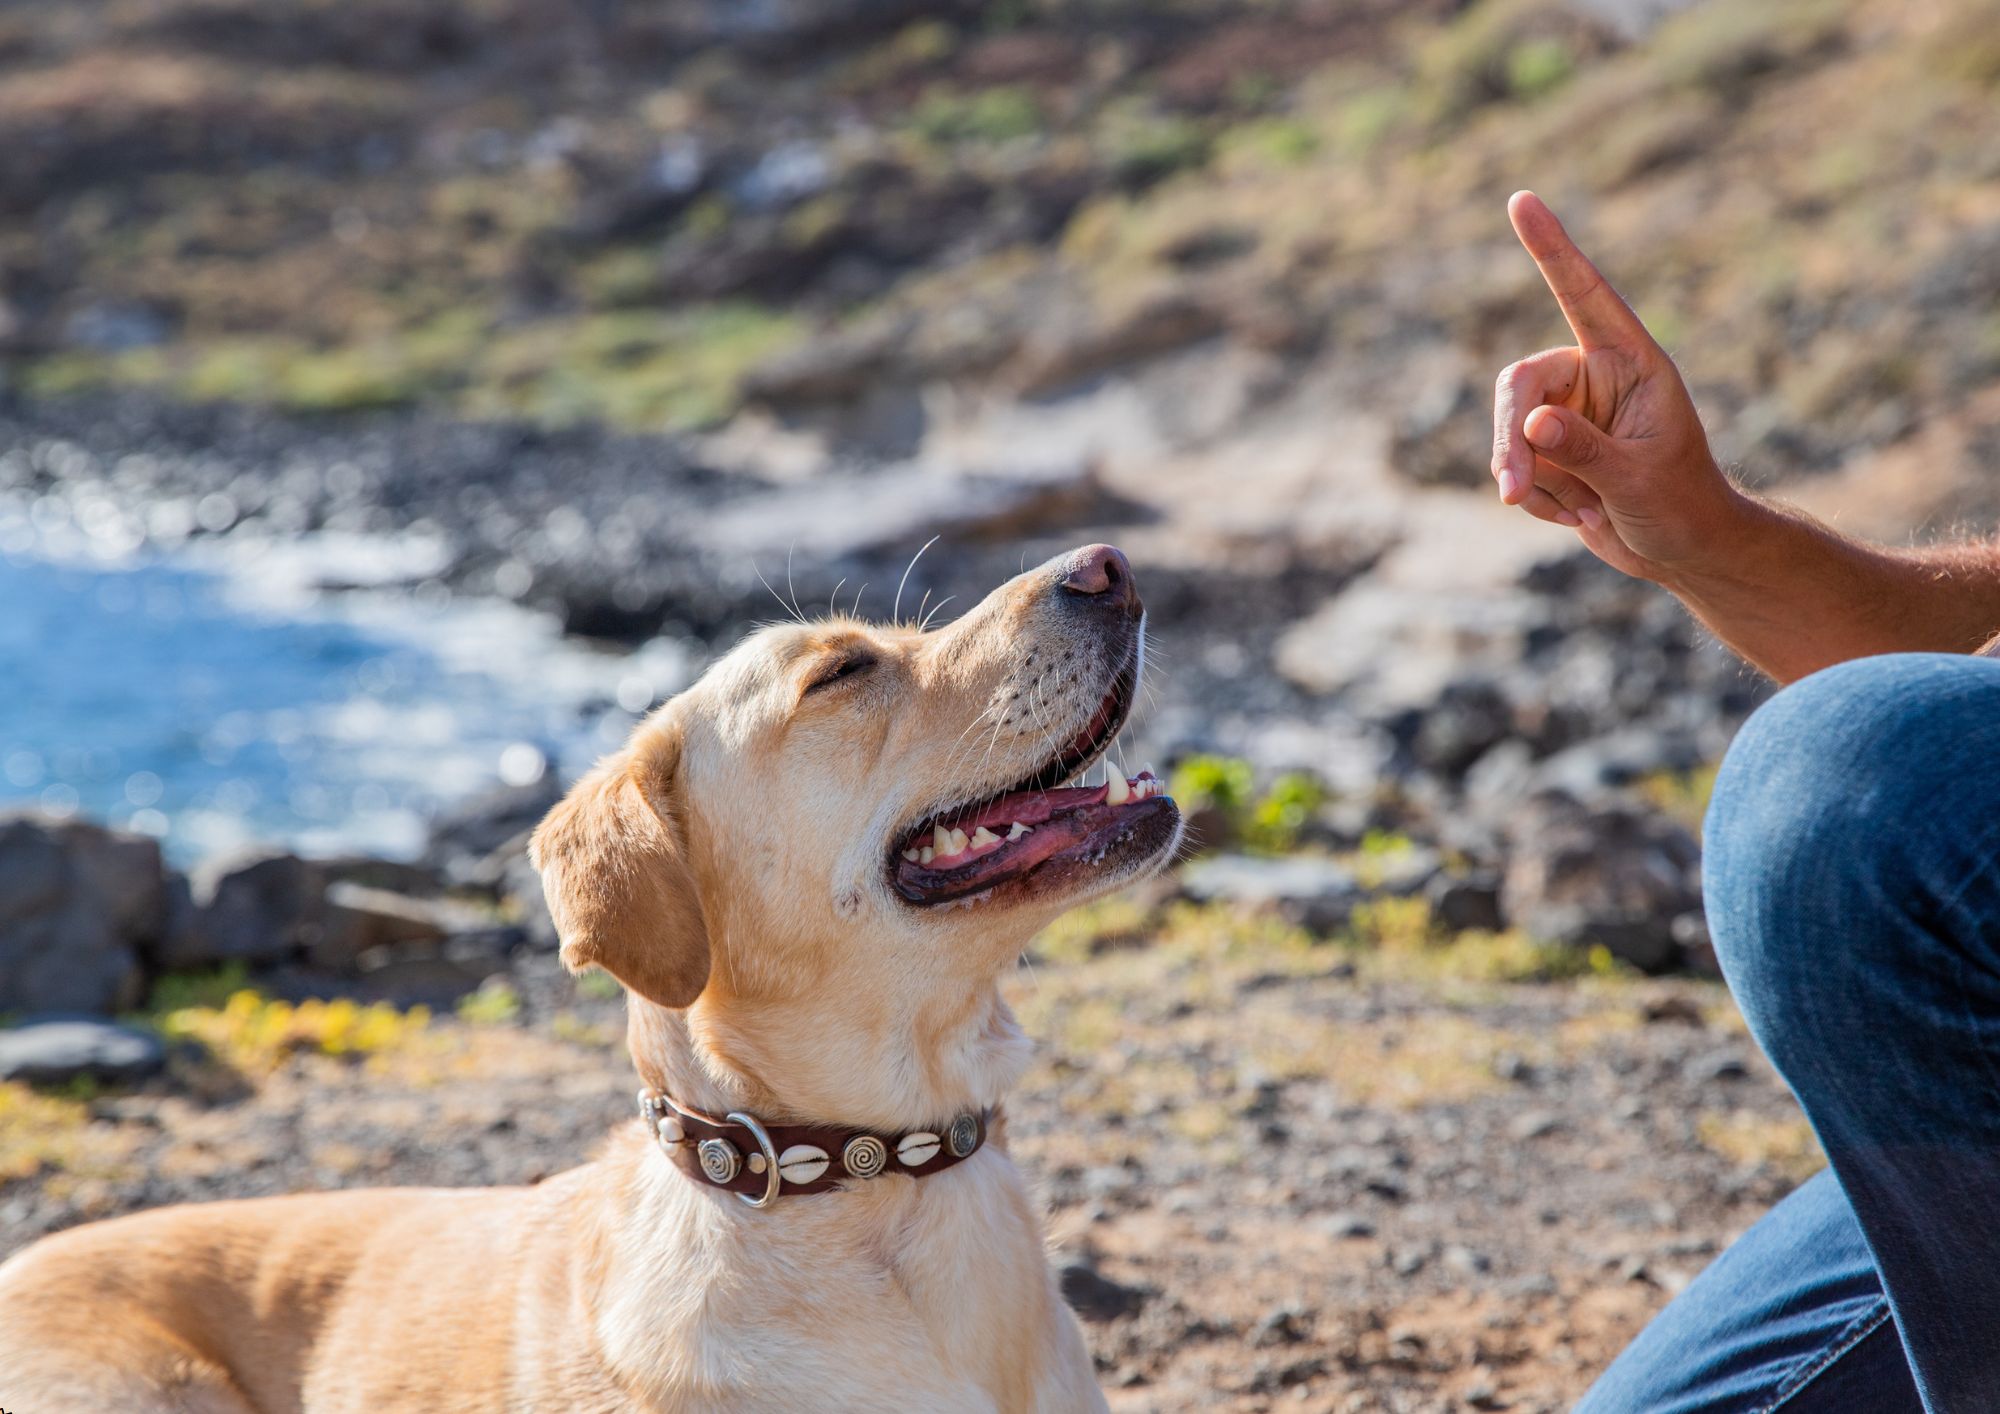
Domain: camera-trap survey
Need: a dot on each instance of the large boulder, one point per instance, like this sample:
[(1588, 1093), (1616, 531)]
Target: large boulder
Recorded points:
[(79, 904), (1616, 874), (359, 919), (256, 906)]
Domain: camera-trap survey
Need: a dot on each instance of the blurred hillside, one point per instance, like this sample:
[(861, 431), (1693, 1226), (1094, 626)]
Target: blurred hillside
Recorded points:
[(869, 218)]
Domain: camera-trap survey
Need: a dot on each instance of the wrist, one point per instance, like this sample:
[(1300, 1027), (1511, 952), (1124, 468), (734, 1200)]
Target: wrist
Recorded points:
[(1739, 538)]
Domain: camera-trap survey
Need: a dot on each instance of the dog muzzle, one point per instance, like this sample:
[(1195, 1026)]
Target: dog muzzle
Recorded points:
[(759, 1162)]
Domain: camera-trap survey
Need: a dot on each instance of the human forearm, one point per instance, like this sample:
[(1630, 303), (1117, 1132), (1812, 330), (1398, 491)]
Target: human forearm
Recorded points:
[(1793, 596)]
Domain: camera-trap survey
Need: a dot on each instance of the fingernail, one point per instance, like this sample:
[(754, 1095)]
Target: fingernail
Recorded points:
[(1545, 431), (1508, 482), (1592, 518), (1568, 519)]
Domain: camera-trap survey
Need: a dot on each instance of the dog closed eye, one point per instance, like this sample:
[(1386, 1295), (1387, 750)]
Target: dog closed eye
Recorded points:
[(843, 668)]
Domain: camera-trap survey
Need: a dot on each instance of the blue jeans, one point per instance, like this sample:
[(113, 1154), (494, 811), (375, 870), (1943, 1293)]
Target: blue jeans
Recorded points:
[(1853, 884)]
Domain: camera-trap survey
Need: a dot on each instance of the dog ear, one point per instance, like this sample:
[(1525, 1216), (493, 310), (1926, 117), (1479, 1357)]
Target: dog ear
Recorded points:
[(614, 866)]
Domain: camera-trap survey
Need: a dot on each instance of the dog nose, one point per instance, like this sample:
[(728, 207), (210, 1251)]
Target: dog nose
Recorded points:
[(1102, 570)]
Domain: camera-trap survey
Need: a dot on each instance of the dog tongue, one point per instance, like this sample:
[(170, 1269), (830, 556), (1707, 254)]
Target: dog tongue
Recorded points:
[(1031, 807)]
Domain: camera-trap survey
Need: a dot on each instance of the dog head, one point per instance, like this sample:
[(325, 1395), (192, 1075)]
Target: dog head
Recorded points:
[(870, 818)]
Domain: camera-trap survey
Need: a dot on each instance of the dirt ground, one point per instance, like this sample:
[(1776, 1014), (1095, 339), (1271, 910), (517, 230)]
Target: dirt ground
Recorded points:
[(1308, 1176)]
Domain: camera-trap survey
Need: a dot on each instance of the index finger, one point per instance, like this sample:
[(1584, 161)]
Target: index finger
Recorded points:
[(1596, 314)]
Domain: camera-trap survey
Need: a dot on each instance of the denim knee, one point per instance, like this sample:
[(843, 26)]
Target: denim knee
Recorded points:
[(1831, 811)]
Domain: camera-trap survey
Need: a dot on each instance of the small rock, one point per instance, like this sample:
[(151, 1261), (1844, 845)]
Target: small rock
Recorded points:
[(1483, 1394), (52, 1050), (1466, 902), (1533, 1125), (1096, 1297), (1716, 1065), (1349, 1225), (1683, 1010), (1465, 1262), (1315, 893), (1282, 1325), (1469, 717)]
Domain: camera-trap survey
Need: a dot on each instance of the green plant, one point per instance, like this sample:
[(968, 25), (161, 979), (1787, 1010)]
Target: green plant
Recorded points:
[(1538, 66), (1399, 937), (1682, 794), (998, 114), (255, 1033), (1220, 783), (1281, 814), (177, 991), (1495, 51), (1268, 142), (495, 1003)]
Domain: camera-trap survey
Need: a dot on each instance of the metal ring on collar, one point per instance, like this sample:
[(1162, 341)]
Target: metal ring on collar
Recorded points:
[(772, 1182)]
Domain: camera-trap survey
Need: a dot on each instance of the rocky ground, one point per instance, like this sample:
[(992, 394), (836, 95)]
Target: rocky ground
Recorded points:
[(1281, 1173)]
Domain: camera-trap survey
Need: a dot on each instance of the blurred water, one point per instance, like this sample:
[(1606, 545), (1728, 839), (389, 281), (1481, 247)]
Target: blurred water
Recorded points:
[(220, 702)]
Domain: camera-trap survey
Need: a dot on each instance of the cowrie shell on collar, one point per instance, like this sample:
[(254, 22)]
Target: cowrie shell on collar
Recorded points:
[(916, 1149), (802, 1163)]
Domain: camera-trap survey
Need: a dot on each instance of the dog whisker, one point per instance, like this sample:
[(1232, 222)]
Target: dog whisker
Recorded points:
[(896, 609), (791, 612), (796, 610)]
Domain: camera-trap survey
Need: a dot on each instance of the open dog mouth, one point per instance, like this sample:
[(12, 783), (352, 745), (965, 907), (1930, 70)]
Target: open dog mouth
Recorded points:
[(1025, 832)]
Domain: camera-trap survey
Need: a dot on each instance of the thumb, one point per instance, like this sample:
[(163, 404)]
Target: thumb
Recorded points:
[(1570, 441)]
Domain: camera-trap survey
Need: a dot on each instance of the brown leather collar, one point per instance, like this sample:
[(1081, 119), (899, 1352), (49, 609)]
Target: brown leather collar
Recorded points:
[(758, 1162)]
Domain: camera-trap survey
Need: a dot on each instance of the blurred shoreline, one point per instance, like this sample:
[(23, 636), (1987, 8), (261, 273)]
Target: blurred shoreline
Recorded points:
[(219, 696)]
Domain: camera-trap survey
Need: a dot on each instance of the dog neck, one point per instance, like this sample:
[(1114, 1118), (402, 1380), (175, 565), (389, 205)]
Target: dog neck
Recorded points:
[(808, 1061)]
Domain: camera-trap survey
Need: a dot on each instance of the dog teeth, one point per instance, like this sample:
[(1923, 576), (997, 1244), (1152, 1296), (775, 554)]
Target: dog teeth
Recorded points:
[(948, 847), (945, 844)]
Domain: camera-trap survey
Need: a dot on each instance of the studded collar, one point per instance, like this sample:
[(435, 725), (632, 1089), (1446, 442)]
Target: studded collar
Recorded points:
[(758, 1163)]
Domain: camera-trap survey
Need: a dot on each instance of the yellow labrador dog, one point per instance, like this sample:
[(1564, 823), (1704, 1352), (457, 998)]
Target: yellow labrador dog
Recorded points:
[(810, 871)]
